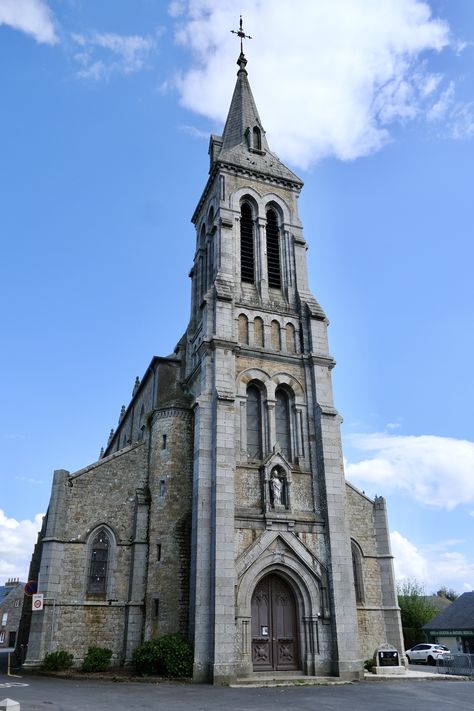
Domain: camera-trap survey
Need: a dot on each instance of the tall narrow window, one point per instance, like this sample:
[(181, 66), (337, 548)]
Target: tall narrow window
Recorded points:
[(282, 422), (258, 332), (276, 338), (290, 338), (254, 422), (257, 138), (357, 570), (243, 329), (247, 267), (273, 250), (99, 560)]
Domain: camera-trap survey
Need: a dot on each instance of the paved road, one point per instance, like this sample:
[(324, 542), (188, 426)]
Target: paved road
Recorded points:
[(42, 694)]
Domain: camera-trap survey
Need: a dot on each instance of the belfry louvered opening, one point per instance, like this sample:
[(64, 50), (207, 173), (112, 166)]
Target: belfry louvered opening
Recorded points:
[(273, 250), (247, 259)]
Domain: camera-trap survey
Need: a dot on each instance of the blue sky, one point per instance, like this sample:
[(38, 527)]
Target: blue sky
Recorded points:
[(105, 112)]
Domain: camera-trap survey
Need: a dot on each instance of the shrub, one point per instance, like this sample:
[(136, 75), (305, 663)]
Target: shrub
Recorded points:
[(369, 664), (57, 661), (170, 655), (97, 659)]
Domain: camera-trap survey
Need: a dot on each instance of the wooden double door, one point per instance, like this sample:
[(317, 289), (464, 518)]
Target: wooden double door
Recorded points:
[(274, 626)]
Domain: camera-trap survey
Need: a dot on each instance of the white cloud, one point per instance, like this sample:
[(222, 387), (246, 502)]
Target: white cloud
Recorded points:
[(104, 54), (33, 17), (17, 540), (435, 565), (355, 66), (439, 109), (435, 471)]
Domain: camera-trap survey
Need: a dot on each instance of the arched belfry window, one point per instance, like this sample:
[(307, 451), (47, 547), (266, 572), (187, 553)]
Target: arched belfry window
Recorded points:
[(273, 250), (254, 422), (247, 258), (357, 571), (98, 563), (282, 421), (257, 138)]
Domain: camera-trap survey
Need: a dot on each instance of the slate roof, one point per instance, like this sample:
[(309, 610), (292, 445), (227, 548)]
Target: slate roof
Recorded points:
[(4, 590), (243, 115), (458, 616)]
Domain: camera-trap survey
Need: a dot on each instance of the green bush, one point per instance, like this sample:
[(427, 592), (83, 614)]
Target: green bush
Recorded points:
[(57, 661), (369, 664), (170, 655), (97, 659)]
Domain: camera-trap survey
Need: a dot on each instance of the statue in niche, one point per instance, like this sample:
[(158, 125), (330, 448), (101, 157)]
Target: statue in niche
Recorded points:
[(276, 488)]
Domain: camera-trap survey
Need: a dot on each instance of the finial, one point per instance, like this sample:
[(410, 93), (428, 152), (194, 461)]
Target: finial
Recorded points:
[(122, 413), (111, 435), (240, 33), (136, 385), (101, 455)]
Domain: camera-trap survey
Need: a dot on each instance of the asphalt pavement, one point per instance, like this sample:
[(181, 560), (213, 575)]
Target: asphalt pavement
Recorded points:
[(37, 693)]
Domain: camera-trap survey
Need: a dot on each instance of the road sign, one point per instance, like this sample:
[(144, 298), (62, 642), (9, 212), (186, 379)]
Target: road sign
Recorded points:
[(37, 602), (31, 587)]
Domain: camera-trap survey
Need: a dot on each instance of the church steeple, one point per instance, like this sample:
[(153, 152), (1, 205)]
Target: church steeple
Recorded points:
[(243, 143), (243, 125)]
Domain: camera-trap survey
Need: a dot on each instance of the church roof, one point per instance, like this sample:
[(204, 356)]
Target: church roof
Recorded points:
[(237, 147)]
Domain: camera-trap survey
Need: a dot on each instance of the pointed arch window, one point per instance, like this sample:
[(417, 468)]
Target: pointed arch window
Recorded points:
[(273, 250), (98, 563), (254, 422), (247, 257), (357, 571), (282, 422)]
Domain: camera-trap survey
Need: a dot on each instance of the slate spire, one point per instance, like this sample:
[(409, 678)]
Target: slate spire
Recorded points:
[(243, 114), (243, 143)]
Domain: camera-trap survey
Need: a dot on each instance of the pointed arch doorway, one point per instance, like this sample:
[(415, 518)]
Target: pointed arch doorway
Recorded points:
[(274, 626)]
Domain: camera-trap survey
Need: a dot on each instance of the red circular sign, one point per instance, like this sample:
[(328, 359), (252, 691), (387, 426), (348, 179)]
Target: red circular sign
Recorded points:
[(38, 604), (31, 587)]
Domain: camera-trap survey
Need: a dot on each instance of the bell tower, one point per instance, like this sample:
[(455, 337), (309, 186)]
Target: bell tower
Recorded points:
[(269, 511)]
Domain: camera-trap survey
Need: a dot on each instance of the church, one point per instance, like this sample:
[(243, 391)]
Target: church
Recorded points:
[(219, 508)]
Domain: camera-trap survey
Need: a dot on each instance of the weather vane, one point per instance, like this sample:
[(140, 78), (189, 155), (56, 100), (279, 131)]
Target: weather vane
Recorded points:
[(240, 33)]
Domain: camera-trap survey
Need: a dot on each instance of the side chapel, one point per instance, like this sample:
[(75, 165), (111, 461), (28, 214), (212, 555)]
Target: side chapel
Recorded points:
[(219, 507)]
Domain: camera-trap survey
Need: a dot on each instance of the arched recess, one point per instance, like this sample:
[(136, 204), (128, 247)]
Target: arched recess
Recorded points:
[(243, 329), (275, 332), (100, 562), (357, 570), (258, 332), (300, 574)]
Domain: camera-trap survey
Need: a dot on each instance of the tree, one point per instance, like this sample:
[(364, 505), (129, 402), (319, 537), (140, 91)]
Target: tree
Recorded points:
[(416, 610), (448, 593)]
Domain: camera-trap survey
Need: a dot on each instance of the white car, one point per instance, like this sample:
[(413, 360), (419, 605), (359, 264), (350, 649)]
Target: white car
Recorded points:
[(429, 653)]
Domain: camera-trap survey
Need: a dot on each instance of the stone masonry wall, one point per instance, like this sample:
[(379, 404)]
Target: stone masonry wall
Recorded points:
[(101, 494)]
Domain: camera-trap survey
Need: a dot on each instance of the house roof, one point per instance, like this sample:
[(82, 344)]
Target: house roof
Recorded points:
[(459, 615)]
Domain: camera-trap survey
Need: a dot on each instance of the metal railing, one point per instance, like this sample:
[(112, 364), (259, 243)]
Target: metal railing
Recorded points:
[(458, 664)]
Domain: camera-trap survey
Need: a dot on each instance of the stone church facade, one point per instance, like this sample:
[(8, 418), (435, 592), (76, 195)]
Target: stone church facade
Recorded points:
[(219, 507)]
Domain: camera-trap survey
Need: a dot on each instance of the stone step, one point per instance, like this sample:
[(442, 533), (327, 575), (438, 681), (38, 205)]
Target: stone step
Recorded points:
[(285, 679)]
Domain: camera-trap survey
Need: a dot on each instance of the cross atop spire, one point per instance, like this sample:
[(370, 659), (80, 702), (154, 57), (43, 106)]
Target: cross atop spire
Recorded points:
[(240, 33)]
